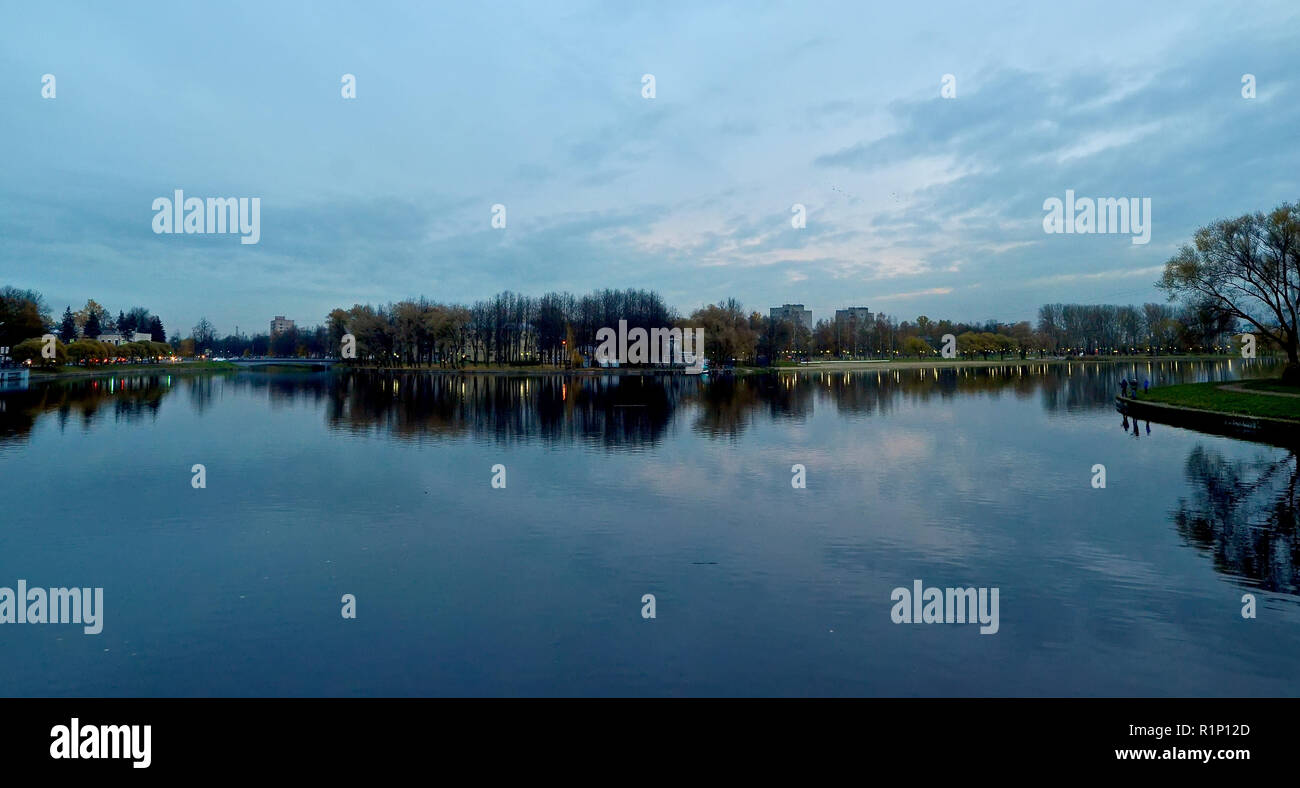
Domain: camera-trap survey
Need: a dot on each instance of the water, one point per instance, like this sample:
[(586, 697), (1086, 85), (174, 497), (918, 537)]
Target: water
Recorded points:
[(325, 484)]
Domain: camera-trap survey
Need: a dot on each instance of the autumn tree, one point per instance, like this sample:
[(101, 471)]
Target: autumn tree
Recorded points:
[(1247, 267), (22, 316), (82, 316)]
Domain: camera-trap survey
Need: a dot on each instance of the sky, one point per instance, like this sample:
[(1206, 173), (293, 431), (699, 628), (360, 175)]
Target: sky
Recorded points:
[(915, 203)]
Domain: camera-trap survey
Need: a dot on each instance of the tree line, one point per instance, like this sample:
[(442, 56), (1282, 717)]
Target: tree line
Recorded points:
[(561, 328), (557, 328), (1238, 273), (25, 319), (93, 320)]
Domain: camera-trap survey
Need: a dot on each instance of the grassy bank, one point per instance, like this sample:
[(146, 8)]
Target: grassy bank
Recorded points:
[(109, 370), (1244, 398)]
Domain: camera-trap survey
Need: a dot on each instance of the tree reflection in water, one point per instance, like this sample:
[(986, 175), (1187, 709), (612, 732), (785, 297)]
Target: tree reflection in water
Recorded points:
[(1244, 514), (616, 412)]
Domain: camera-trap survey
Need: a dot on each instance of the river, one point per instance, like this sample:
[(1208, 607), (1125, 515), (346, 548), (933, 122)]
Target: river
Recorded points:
[(318, 485)]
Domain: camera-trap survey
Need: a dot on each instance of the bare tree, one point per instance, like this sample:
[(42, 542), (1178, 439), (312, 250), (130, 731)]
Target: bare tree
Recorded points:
[(1249, 268)]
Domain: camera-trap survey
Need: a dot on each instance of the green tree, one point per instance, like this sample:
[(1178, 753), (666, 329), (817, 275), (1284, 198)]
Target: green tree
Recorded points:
[(138, 320), (131, 351), (1249, 268), (29, 350), (91, 308), (923, 326), (727, 335), (85, 351), (21, 316), (68, 329), (915, 346)]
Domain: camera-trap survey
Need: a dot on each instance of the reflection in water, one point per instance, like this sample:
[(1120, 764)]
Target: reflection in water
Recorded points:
[(377, 482), (616, 412), (125, 399), (633, 412), (1244, 514), (1136, 425)]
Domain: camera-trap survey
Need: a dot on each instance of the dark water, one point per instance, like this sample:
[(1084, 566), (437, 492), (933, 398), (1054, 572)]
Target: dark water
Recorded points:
[(323, 484)]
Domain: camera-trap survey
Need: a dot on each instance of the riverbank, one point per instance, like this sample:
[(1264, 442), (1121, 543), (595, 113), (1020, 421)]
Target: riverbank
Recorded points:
[(1265, 398), (943, 363), (1257, 409), (862, 365), (179, 368), (796, 368)]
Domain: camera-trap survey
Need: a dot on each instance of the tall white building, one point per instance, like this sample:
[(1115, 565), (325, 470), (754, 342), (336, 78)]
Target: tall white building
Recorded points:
[(794, 313), (280, 324), (854, 315)]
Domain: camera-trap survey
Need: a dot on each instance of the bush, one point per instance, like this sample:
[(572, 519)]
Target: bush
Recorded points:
[(132, 351), (86, 350), (30, 350)]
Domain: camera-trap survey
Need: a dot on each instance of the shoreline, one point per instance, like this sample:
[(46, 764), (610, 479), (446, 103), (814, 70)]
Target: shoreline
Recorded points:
[(1232, 408), (37, 375), (861, 365), (1260, 429), (816, 366)]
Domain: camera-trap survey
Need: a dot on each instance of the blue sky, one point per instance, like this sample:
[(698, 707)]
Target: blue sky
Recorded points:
[(916, 204)]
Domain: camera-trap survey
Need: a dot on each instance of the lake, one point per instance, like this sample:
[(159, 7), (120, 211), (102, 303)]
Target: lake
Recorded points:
[(323, 484)]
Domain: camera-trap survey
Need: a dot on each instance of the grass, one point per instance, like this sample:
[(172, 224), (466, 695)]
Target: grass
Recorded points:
[(1211, 396), (71, 370), (1270, 384)]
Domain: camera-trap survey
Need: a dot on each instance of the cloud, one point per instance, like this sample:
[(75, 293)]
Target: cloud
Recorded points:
[(688, 193), (933, 291)]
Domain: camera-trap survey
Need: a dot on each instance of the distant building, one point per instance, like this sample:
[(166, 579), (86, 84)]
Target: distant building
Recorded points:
[(120, 339), (794, 313), (854, 315), (280, 325)]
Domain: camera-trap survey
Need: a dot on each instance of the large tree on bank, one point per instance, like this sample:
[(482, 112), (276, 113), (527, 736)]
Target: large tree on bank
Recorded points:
[(1247, 268), (68, 328)]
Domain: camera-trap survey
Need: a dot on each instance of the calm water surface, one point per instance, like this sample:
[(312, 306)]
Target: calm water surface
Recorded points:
[(325, 484)]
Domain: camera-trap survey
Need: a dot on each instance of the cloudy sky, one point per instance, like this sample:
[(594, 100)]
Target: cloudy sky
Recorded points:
[(916, 204)]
